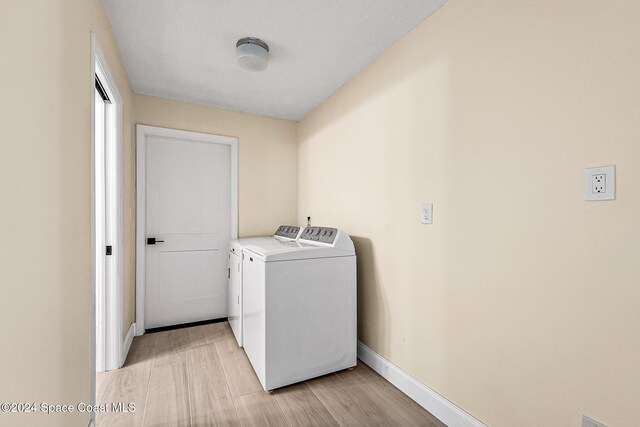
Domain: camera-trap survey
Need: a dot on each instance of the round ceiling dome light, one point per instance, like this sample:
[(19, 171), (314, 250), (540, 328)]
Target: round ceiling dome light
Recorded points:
[(253, 54)]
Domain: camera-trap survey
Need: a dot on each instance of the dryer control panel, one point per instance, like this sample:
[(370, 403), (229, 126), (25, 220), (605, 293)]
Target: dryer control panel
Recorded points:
[(319, 234), (288, 231)]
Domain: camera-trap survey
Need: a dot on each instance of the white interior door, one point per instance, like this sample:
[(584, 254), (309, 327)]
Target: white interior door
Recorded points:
[(188, 212)]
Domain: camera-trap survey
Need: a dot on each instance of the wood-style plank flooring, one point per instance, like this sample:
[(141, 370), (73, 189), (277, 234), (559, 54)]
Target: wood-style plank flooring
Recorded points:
[(200, 377)]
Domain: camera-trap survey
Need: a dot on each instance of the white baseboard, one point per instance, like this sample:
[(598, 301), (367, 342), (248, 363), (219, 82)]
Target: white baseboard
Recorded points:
[(139, 330), (126, 345), (440, 407)]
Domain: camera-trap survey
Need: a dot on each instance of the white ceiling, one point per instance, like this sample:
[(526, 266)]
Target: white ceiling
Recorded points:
[(185, 49)]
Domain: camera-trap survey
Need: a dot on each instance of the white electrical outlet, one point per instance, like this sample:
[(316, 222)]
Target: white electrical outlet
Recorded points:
[(426, 213), (600, 183), (588, 422)]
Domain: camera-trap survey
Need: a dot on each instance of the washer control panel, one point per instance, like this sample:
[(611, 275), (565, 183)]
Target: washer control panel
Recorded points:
[(288, 231), (319, 234)]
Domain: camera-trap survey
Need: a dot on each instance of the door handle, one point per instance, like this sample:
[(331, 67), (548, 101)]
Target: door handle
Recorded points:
[(153, 241)]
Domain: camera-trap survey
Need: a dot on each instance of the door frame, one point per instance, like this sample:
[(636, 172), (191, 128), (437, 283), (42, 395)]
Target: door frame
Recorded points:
[(142, 132), (111, 299)]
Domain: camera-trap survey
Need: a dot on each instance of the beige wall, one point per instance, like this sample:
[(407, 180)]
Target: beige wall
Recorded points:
[(267, 156), (46, 90), (520, 302)]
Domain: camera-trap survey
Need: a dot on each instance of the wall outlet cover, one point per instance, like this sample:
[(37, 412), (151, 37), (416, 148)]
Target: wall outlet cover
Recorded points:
[(600, 183), (426, 213)]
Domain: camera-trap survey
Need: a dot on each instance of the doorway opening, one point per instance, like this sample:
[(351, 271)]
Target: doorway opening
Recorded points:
[(106, 219), (104, 213)]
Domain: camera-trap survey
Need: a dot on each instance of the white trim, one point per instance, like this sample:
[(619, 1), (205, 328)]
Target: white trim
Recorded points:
[(92, 381), (141, 182), (440, 407), (126, 345), (142, 131)]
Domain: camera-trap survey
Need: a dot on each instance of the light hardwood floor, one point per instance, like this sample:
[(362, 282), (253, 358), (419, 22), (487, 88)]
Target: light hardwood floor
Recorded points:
[(200, 377)]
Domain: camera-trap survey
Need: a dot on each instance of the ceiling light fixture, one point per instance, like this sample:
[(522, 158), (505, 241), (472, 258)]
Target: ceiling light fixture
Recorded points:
[(253, 54)]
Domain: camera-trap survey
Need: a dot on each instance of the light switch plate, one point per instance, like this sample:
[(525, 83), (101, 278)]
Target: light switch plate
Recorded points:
[(588, 422), (426, 213), (600, 183)]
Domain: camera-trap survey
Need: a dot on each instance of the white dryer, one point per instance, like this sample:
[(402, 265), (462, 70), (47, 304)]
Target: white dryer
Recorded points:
[(284, 233), (300, 306)]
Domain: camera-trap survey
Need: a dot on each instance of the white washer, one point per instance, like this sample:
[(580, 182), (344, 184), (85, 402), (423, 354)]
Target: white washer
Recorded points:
[(284, 233), (300, 306)]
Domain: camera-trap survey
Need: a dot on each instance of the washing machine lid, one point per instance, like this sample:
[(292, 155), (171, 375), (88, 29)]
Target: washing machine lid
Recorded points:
[(283, 233), (339, 246), (264, 248), (237, 245), (266, 253)]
